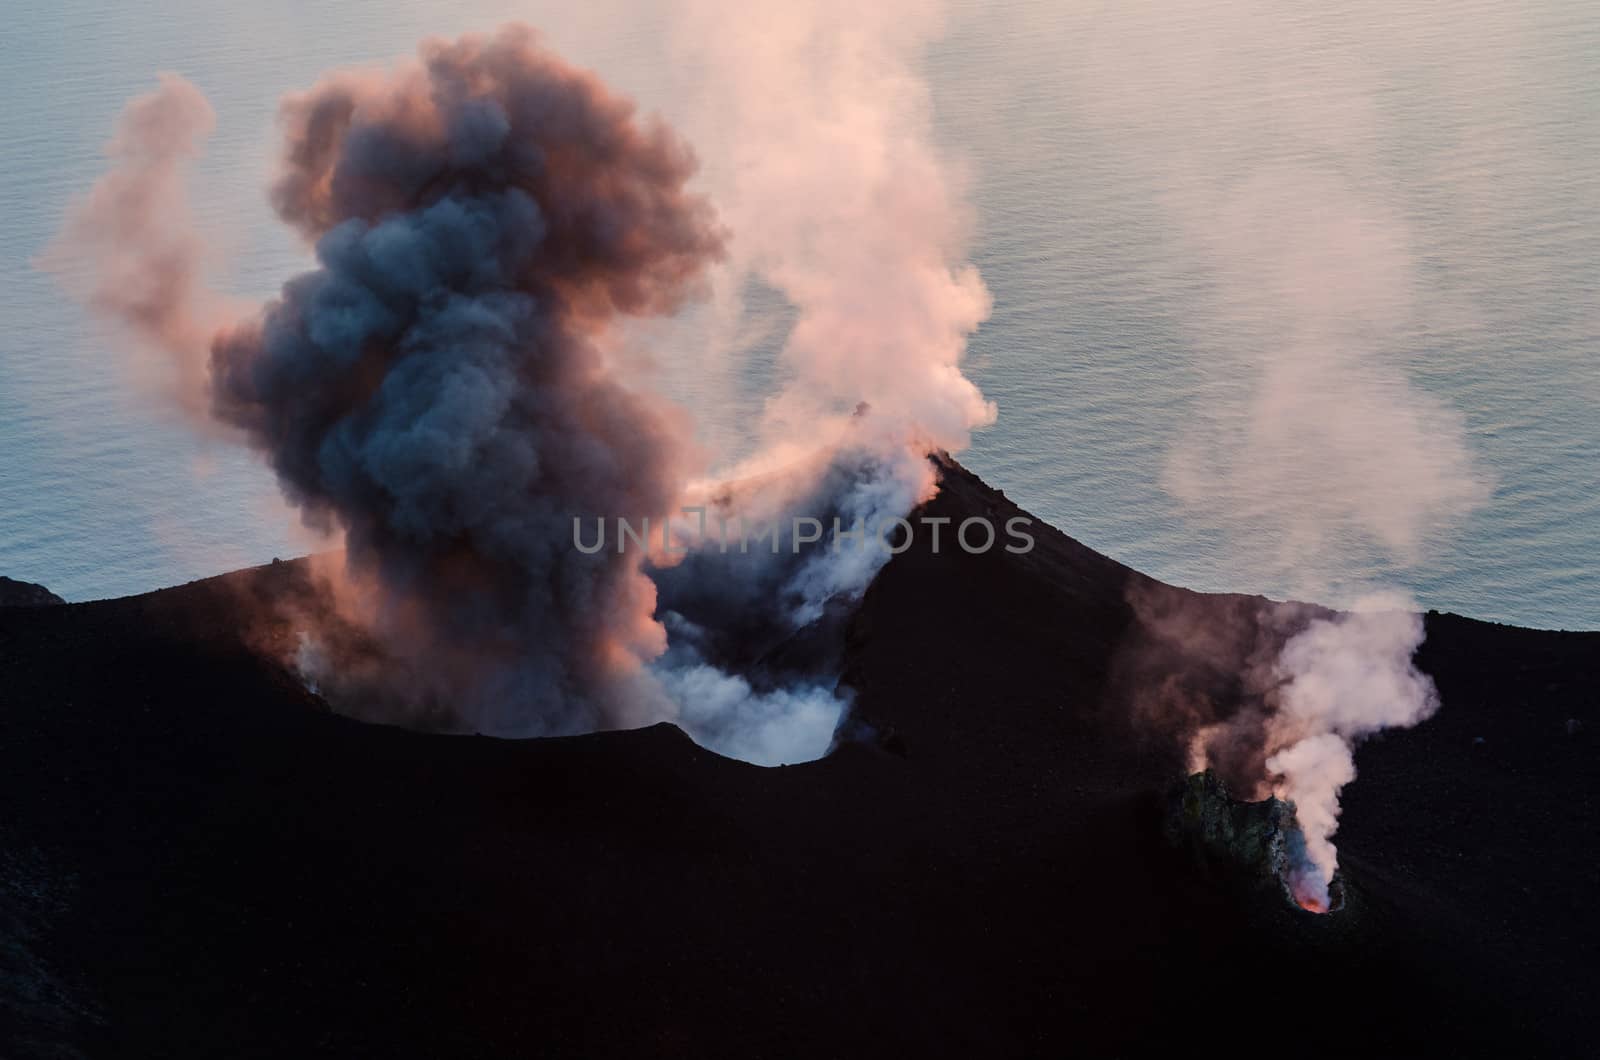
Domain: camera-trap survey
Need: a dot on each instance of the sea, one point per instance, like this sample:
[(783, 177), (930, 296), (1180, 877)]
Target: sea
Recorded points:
[(1107, 150)]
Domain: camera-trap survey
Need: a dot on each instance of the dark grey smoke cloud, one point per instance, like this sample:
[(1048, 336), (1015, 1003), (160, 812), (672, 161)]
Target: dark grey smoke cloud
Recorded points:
[(436, 389)]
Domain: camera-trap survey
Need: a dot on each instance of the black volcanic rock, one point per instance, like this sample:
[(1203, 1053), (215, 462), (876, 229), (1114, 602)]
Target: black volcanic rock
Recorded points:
[(25, 594), (1249, 837), (218, 866)]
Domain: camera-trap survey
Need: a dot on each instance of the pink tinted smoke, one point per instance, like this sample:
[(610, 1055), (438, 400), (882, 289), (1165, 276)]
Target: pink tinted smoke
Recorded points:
[(130, 247)]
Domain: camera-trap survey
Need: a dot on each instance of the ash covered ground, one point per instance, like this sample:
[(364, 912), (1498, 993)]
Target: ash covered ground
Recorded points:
[(200, 859)]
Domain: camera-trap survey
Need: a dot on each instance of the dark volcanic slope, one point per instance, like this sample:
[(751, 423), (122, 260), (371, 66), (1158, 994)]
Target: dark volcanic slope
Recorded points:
[(197, 860), (25, 594)]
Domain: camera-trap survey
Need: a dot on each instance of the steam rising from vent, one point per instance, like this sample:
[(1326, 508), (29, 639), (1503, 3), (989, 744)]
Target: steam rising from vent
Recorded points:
[(443, 387), (825, 167), (1345, 678), (819, 127), (1308, 446)]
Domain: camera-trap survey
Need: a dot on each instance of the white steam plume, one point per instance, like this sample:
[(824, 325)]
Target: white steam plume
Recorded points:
[(817, 128), (814, 125), (1309, 446), (1346, 678)]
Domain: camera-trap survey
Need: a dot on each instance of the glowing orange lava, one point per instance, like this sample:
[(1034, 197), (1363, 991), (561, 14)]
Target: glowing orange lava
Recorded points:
[(1311, 905)]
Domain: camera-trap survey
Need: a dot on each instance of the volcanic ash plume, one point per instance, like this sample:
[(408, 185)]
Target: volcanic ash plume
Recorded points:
[(439, 388), (435, 386)]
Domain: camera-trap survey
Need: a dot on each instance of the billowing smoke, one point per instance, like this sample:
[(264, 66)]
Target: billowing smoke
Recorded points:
[(435, 387), (481, 218), (445, 387), (1313, 771), (829, 174), (145, 259), (1308, 447), (1343, 678), (819, 127)]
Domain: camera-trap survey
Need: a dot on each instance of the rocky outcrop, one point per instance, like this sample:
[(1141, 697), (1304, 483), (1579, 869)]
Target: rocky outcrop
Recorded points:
[(1251, 842), (26, 594), (1225, 834)]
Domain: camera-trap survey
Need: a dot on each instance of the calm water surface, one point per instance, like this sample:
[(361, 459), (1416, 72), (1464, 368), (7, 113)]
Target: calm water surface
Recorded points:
[(1089, 132)]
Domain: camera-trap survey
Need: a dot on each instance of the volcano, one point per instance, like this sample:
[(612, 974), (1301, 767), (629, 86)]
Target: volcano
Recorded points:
[(197, 858)]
